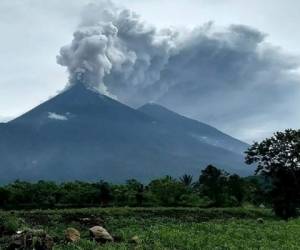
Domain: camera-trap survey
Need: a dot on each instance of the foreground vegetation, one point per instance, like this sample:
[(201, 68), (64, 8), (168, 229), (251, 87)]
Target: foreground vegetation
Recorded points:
[(167, 228), (232, 234)]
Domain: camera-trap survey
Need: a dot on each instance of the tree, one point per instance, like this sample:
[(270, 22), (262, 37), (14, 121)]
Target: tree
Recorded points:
[(257, 189), (4, 196), (278, 157), (45, 194), (186, 180), (236, 188), (135, 192), (105, 193), (140, 195), (167, 190), (20, 193), (212, 183)]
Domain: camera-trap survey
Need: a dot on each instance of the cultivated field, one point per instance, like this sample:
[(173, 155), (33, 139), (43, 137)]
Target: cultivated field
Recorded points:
[(165, 228)]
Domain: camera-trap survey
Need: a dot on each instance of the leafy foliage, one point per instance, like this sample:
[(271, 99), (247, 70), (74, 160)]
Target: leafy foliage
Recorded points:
[(9, 224), (278, 158), (214, 188), (186, 180), (279, 151), (212, 184)]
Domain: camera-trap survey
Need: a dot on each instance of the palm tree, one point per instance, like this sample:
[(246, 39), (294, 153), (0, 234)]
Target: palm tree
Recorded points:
[(186, 180)]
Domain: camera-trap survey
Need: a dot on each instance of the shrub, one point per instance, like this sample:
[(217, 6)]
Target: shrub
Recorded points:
[(9, 224)]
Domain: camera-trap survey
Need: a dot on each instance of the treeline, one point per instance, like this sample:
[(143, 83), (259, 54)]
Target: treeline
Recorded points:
[(213, 188)]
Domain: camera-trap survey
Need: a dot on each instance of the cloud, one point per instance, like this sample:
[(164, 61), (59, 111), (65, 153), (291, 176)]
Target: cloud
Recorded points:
[(55, 116), (229, 77)]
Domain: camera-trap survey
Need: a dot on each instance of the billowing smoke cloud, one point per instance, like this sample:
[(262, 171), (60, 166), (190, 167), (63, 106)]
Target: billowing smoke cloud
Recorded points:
[(228, 77), (114, 41)]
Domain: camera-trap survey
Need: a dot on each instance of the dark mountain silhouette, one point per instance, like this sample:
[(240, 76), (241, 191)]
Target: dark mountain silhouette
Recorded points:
[(80, 134)]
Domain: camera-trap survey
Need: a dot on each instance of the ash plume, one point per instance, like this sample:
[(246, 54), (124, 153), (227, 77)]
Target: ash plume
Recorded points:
[(109, 41), (218, 75)]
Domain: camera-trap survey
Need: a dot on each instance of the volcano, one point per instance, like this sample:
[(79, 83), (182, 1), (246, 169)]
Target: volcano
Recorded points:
[(83, 135)]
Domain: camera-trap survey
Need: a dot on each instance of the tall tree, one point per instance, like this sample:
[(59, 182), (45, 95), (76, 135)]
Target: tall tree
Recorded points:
[(4, 196), (212, 183), (105, 193), (278, 157), (236, 188)]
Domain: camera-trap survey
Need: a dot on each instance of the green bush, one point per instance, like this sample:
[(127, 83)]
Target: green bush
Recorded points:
[(9, 224)]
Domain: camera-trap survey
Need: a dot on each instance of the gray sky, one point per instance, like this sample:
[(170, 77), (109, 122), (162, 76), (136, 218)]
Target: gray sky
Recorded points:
[(32, 33)]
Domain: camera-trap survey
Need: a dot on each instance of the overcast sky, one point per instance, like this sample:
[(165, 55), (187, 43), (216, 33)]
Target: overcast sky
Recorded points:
[(33, 31)]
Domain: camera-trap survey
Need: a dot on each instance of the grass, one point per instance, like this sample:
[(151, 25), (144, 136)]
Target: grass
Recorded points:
[(219, 234), (173, 228)]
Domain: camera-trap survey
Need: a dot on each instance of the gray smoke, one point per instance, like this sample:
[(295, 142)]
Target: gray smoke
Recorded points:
[(114, 41), (219, 76)]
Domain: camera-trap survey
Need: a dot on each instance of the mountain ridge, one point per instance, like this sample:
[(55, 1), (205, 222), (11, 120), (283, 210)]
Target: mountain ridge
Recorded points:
[(164, 114), (81, 134)]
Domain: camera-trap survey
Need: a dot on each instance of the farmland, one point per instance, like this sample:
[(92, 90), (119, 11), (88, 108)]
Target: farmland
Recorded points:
[(165, 228)]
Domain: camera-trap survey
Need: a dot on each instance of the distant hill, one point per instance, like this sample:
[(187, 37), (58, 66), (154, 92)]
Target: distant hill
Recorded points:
[(80, 134)]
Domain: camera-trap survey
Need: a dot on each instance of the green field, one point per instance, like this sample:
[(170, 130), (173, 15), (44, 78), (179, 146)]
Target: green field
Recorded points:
[(169, 228)]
